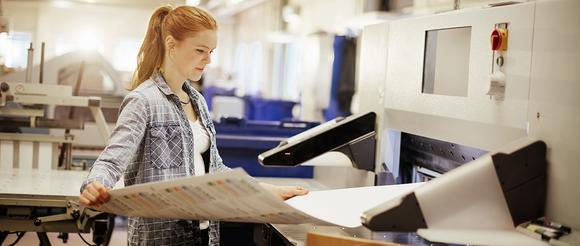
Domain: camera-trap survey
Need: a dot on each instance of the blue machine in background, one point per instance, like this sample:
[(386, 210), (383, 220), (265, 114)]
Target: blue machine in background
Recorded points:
[(210, 91), (255, 107), (265, 123), (268, 109), (240, 142)]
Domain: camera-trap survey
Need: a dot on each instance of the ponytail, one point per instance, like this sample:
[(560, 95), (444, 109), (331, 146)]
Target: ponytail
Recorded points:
[(150, 56), (180, 23)]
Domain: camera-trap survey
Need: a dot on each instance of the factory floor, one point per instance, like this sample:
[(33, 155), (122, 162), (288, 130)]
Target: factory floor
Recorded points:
[(119, 237)]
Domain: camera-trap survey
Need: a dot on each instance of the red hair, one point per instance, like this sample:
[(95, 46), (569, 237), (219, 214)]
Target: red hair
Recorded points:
[(180, 22)]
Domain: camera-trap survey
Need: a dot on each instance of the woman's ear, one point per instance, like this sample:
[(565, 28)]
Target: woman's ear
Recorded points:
[(170, 42)]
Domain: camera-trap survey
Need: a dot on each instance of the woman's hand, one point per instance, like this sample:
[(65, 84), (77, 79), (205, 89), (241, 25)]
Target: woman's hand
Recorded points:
[(95, 194), (285, 192)]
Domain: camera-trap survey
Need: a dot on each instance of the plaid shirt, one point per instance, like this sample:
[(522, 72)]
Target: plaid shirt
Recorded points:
[(153, 141)]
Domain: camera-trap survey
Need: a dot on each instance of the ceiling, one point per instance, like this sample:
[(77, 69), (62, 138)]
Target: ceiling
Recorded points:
[(221, 8), (124, 3)]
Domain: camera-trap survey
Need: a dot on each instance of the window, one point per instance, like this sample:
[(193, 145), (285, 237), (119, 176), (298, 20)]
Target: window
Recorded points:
[(14, 49), (446, 64), (125, 54)]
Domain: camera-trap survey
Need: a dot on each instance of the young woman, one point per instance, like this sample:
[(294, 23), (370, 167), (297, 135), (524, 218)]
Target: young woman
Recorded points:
[(164, 130)]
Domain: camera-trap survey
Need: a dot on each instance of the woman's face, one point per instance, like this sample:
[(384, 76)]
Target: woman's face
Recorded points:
[(191, 55)]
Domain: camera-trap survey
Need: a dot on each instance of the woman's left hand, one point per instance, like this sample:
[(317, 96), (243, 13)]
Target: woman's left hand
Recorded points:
[(285, 192)]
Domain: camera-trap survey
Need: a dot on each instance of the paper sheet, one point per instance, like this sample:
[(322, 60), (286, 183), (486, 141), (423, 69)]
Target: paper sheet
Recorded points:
[(235, 196), (345, 206)]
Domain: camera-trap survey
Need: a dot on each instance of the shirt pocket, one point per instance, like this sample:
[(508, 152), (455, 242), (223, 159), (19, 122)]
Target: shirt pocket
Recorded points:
[(166, 146)]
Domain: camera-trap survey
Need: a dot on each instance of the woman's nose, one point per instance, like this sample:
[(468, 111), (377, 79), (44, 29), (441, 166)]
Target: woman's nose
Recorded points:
[(207, 59)]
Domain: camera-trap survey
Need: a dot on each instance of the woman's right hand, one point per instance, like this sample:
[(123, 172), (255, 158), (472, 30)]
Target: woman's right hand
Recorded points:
[(95, 194)]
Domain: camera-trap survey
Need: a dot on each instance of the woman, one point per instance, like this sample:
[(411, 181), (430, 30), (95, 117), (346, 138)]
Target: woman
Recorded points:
[(164, 130)]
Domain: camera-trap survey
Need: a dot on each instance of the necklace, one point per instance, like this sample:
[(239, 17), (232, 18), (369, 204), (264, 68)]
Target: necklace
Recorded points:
[(185, 103)]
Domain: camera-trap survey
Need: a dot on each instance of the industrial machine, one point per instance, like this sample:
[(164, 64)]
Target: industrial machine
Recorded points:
[(481, 78), (43, 201), (84, 74), (239, 142), (24, 105), (39, 192), (511, 88), (464, 91), (344, 141)]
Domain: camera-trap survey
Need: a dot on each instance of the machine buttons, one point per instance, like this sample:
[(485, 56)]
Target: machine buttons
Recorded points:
[(499, 39), (495, 88)]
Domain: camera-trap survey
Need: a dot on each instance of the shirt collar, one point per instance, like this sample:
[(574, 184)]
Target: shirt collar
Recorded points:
[(164, 87), (161, 84), (190, 90)]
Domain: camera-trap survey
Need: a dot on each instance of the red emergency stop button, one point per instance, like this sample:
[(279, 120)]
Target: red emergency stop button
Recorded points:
[(499, 39)]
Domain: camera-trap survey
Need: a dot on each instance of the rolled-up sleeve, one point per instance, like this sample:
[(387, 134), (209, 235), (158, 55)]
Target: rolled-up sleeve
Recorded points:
[(123, 143)]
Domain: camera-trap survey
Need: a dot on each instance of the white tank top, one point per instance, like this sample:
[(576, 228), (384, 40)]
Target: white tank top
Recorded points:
[(200, 145)]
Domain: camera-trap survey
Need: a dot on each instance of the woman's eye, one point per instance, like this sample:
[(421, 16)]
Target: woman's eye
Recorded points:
[(200, 51)]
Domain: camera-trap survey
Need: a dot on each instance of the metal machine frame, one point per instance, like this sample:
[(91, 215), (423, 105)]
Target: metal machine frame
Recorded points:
[(52, 213), (353, 136), (26, 95), (25, 105)]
